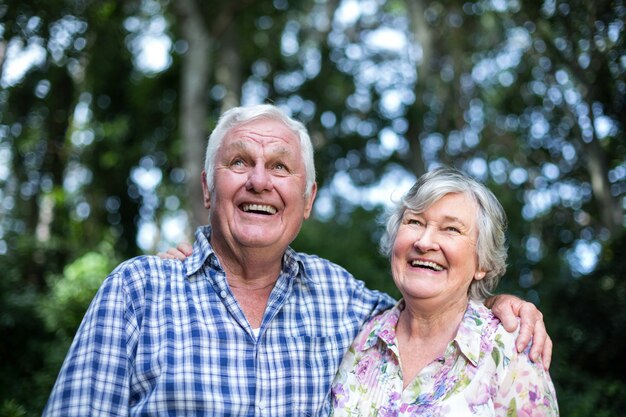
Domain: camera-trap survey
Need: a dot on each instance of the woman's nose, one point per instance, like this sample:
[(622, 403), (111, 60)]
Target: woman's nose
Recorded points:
[(426, 240)]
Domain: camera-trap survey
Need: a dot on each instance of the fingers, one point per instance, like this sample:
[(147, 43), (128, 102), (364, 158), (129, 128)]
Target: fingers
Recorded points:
[(527, 329), (506, 308), (185, 248), (541, 349), (181, 252), (547, 353), (175, 253), (532, 327), (508, 319), (164, 255), (538, 335)]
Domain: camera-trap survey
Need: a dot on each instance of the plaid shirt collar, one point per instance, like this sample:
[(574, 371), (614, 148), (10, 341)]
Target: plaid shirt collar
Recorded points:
[(203, 252)]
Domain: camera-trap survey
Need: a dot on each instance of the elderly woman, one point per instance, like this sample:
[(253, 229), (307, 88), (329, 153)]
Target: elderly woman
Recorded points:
[(439, 351)]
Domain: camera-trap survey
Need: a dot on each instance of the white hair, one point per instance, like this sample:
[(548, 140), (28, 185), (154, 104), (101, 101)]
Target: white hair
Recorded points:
[(491, 249), (238, 116)]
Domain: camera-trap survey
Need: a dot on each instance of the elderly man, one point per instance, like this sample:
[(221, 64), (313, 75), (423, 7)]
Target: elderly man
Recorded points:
[(245, 325)]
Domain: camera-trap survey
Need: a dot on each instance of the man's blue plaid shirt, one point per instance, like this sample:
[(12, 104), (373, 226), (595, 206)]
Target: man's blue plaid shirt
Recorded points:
[(165, 337)]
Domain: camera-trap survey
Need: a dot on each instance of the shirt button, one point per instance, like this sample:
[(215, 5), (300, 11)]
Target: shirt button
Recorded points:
[(223, 294)]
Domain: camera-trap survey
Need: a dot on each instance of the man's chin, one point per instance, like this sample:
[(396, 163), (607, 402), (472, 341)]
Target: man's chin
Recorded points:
[(259, 238)]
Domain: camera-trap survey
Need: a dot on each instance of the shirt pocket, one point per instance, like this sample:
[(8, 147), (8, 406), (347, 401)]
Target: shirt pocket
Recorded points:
[(318, 353), (309, 364)]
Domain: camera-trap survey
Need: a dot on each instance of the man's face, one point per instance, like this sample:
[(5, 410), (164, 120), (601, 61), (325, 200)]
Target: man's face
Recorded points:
[(258, 200)]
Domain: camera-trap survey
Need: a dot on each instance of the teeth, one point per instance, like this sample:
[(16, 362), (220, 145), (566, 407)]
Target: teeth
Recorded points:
[(259, 207), (426, 264)]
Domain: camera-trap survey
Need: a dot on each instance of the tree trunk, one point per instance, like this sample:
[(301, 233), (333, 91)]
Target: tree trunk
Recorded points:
[(195, 75), (423, 41), (228, 70), (3, 50), (597, 167)]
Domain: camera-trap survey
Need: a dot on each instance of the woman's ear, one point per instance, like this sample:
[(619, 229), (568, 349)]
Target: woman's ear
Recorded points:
[(479, 275)]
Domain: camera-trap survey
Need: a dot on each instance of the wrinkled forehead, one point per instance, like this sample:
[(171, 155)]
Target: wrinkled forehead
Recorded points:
[(426, 197), (263, 131), (456, 204), (259, 138), (269, 147)]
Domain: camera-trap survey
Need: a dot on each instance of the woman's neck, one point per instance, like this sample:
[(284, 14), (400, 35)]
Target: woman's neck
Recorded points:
[(423, 335)]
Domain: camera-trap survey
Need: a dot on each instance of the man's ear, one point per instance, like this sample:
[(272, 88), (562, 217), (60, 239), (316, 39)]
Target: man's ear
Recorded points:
[(308, 204), (205, 191)]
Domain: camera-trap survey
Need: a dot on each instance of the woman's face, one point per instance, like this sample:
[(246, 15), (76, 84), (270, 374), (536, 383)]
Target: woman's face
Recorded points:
[(434, 255)]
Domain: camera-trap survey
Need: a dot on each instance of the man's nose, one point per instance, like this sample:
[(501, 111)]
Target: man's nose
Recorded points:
[(259, 179)]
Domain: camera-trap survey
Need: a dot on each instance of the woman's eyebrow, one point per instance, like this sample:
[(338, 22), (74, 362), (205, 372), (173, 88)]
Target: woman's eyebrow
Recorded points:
[(456, 220)]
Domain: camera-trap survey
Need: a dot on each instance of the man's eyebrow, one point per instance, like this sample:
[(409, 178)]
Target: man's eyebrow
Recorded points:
[(239, 145), (282, 151), (273, 152)]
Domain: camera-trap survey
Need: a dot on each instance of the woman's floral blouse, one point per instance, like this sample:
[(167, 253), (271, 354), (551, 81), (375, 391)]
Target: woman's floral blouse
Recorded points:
[(480, 374)]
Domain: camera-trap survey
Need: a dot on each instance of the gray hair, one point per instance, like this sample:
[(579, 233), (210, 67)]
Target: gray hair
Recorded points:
[(491, 222), (238, 116)]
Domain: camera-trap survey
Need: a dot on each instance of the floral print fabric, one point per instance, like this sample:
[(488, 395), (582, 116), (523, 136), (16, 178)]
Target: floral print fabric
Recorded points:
[(480, 374)]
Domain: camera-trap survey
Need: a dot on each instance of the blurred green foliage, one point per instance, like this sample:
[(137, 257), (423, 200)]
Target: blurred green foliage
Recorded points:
[(63, 308), (95, 156), (353, 244), (586, 318), (38, 329), (10, 408)]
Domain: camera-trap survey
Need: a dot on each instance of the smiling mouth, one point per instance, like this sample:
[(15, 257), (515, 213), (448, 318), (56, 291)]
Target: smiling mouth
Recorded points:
[(428, 265), (259, 209)]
